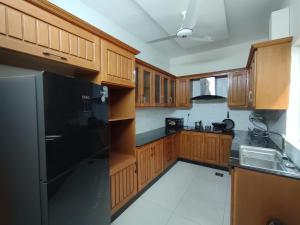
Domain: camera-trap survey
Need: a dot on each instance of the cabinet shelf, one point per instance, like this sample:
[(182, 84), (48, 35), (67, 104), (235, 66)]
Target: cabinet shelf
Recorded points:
[(118, 161), (121, 118)]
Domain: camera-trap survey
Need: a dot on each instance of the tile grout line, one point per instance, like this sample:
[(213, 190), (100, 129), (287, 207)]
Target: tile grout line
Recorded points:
[(223, 220)]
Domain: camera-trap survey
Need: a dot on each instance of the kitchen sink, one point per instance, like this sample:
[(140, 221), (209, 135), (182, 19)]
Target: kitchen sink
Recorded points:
[(264, 158)]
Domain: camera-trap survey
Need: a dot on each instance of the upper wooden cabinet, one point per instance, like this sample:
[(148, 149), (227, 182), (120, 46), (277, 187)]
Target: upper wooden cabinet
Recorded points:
[(269, 78), (158, 89), (238, 89), (28, 29), (183, 93), (117, 65)]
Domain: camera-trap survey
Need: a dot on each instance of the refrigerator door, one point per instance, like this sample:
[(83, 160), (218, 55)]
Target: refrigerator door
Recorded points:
[(76, 122), (80, 197)]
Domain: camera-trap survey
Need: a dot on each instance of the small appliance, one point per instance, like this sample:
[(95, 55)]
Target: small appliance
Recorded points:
[(172, 122)]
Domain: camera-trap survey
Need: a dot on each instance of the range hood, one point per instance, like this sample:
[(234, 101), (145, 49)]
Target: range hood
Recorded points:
[(206, 89)]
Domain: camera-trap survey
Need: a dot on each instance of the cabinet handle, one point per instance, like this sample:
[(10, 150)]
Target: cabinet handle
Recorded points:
[(250, 97), (51, 54)]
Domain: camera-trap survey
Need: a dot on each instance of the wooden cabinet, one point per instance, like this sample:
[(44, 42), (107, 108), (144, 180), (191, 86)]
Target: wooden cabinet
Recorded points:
[(173, 92), (183, 94), (185, 145), (259, 197), (28, 29), (269, 65), (170, 149), (197, 146), (212, 148), (149, 162), (225, 148), (117, 65), (166, 90), (238, 89), (158, 89), (123, 180), (143, 86)]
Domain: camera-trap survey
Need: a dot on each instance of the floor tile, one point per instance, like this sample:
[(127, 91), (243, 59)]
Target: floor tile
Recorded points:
[(178, 220), (144, 212)]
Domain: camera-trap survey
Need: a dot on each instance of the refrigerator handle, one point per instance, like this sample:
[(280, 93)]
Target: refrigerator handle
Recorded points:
[(44, 203)]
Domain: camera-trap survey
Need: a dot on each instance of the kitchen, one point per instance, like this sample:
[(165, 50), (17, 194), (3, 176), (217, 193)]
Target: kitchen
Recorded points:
[(197, 115)]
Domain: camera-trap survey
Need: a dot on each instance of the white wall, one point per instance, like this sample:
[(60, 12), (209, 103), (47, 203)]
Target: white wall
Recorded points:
[(148, 53), (294, 6), (230, 57)]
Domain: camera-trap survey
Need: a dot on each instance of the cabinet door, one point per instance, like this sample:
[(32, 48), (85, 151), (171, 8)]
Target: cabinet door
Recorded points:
[(185, 146), (158, 98), (138, 89), (238, 89), (123, 186), (31, 30), (157, 158), (225, 148), (176, 146), (212, 148), (173, 92), (166, 91), (118, 65), (197, 146), (146, 87), (183, 93), (144, 166), (251, 83), (168, 150)]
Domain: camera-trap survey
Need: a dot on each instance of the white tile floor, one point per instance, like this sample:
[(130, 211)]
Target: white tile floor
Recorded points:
[(187, 194)]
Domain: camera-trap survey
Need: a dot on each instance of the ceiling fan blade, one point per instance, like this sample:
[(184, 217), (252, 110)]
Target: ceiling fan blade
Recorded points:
[(162, 39), (191, 15), (202, 38)]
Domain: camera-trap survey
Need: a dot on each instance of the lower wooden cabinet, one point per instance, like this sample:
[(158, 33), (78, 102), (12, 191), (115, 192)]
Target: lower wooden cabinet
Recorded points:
[(185, 145), (259, 197), (225, 148), (123, 185), (170, 149), (197, 146), (149, 162), (212, 148)]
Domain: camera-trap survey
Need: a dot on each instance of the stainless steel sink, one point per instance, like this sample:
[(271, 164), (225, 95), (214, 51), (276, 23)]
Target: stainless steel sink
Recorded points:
[(264, 158)]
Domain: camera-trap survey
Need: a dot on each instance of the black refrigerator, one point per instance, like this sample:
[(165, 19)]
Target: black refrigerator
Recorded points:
[(54, 145)]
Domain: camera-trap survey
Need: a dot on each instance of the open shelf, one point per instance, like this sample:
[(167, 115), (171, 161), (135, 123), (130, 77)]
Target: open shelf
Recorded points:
[(121, 118), (121, 103), (119, 161)]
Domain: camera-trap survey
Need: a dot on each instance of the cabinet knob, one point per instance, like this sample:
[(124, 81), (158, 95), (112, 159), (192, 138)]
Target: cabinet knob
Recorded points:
[(57, 56)]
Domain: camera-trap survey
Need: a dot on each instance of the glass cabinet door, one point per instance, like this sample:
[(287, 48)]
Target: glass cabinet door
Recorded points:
[(146, 87), (166, 91), (157, 89), (172, 92), (137, 88)]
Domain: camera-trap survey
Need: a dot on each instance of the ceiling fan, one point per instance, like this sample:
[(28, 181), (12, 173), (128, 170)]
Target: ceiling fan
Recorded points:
[(188, 23)]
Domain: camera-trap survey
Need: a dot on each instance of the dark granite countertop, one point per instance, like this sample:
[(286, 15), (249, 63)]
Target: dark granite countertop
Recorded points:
[(243, 138), (153, 135)]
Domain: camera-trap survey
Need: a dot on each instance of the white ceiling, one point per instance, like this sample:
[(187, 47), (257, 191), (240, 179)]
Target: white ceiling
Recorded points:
[(228, 21)]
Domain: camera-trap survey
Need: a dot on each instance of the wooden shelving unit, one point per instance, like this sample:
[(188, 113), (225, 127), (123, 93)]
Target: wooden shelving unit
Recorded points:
[(119, 161)]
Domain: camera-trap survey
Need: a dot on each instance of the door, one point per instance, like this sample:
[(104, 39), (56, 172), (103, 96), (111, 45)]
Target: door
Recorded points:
[(146, 97), (158, 98), (197, 146), (157, 158), (238, 89), (185, 146), (144, 163), (76, 122), (225, 148), (80, 196), (212, 148), (168, 150), (31, 30)]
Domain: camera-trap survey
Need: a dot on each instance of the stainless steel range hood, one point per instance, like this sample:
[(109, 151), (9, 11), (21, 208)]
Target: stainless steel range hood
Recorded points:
[(206, 89)]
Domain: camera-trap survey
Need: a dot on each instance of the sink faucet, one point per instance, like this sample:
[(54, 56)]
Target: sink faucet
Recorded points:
[(282, 141)]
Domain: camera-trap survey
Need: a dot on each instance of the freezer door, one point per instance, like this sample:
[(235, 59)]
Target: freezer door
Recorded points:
[(76, 122), (79, 197)]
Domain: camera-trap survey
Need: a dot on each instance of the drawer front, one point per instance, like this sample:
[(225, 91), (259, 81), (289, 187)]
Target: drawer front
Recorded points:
[(118, 65), (31, 30)]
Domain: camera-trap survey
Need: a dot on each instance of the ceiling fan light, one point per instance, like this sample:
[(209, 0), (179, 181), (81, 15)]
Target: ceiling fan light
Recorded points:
[(185, 32)]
